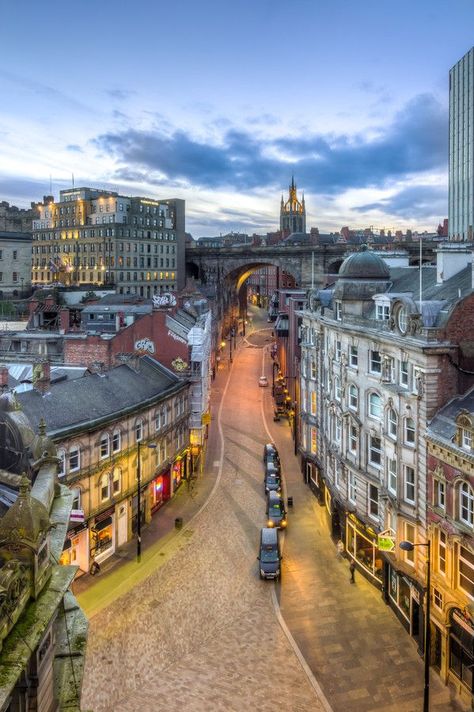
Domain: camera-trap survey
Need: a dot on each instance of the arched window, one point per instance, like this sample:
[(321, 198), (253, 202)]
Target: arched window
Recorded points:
[(337, 388), (104, 445), (409, 431), (116, 441), (138, 430), (375, 405), (392, 423), (104, 487), (74, 459), (62, 463), (116, 480), (353, 397), (466, 504), (157, 420)]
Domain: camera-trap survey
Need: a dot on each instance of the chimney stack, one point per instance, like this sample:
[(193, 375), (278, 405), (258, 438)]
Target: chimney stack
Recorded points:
[(3, 377), (42, 377)]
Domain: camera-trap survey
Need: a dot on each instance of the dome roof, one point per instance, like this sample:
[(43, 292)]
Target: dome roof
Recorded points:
[(27, 521), (364, 265)]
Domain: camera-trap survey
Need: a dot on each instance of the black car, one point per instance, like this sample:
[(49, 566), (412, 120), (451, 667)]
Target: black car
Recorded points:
[(273, 462), (276, 512), (270, 449), (269, 554), (272, 483)]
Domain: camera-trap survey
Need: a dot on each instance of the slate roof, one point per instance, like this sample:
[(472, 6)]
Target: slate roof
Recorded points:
[(70, 404)]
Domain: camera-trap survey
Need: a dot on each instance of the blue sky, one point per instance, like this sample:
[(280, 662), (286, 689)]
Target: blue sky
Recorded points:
[(220, 102)]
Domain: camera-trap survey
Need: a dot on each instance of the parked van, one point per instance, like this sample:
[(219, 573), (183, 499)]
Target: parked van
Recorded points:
[(269, 554), (276, 512)]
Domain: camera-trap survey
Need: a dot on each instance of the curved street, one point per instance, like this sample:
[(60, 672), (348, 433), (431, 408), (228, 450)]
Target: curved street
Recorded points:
[(203, 632)]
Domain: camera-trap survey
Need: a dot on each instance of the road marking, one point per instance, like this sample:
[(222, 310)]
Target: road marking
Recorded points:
[(276, 606)]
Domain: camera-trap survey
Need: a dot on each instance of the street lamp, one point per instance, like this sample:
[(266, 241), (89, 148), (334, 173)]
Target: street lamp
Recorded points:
[(408, 546), (152, 446)]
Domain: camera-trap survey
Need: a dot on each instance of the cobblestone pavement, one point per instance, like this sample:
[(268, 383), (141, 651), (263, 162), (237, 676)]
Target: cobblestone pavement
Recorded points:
[(200, 633)]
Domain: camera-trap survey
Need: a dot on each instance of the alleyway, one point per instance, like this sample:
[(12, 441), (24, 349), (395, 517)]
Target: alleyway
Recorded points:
[(201, 632)]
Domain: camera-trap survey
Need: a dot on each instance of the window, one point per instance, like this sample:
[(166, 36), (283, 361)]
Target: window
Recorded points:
[(157, 420), (353, 397), (353, 357), (375, 362), (353, 439), (116, 480), (409, 431), (338, 429), (375, 405), (410, 536), (442, 552), (438, 598), (375, 451), (76, 502), (116, 441), (104, 445), (15, 254), (392, 423), (466, 504), (337, 388), (15, 276), (104, 487), (439, 494), (409, 484), (338, 311), (402, 319), (466, 439), (163, 417), (313, 402), (62, 463), (338, 350), (373, 501), (74, 459), (313, 369), (382, 312), (466, 570), (352, 487), (314, 441), (392, 475), (404, 374), (139, 431)]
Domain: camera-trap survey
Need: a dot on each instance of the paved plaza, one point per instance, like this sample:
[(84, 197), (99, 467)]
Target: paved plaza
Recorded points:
[(194, 627)]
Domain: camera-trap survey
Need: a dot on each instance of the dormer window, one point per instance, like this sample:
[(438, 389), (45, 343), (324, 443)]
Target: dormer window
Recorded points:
[(466, 439), (338, 311), (382, 312), (464, 431)]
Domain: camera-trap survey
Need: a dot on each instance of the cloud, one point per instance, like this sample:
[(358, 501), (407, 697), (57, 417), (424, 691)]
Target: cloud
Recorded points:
[(415, 202), (414, 141), (120, 94), (27, 189), (74, 148)]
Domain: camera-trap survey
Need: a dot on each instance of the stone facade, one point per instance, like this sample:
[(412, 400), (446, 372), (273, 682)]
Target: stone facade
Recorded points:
[(15, 256)]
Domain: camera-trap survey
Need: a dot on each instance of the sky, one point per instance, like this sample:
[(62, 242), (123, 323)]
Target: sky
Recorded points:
[(220, 103)]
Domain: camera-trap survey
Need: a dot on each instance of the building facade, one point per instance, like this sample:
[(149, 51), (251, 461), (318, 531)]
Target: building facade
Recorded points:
[(15, 261), (461, 148), (100, 424), (98, 237)]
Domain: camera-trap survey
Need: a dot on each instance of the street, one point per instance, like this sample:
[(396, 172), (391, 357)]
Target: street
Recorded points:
[(203, 632)]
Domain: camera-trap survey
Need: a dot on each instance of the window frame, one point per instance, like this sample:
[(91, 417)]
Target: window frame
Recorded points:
[(409, 484), (74, 451), (353, 356), (378, 415), (406, 430), (392, 423), (373, 449), (104, 441), (375, 362), (468, 495), (371, 501), (116, 435), (353, 396)]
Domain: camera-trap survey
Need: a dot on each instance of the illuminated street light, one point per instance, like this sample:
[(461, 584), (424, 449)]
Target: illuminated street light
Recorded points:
[(408, 546)]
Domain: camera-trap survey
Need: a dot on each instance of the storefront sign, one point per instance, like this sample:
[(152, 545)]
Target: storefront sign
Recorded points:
[(386, 541), (104, 515), (77, 515), (75, 530)]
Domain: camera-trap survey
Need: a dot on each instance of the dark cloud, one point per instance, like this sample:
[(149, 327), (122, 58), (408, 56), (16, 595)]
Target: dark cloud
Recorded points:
[(22, 191), (413, 141), (416, 202)]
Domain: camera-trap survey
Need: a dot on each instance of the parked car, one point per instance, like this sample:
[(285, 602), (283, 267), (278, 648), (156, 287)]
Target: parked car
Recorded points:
[(276, 512), (263, 381), (272, 482), (269, 554), (270, 449), (272, 468)]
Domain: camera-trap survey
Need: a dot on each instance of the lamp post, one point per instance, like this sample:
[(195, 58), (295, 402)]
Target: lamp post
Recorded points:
[(139, 501), (230, 346), (408, 546)]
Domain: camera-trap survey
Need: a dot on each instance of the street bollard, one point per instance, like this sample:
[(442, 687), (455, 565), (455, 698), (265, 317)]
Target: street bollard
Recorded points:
[(290, 501), (178, 523)]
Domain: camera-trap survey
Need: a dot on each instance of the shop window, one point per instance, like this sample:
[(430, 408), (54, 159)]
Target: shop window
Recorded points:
[(392, 423), (466, 570), (353, 357), (409, 430), (461, 645), (392, 475), (352, 493), (62, 463), (353, 439), (466, 504), (353, 397), (410, 536), (116, 441), (442, 552), (104, 488), (116, 480), (74, 459), (375, 362), (373, 501), (409, 485), (375, 450), (104, 445), (375, 406), (138, 431)]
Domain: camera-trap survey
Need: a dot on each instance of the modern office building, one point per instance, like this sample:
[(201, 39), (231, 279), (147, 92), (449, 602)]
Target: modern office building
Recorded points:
[(98, 237), (461, 148)]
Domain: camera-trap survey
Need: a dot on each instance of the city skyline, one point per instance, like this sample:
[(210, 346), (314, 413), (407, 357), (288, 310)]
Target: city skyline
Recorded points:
[(220, 106)]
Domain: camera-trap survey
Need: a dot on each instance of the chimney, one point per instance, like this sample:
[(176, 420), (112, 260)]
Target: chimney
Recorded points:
[(3, 377), (451, 258), (42, 377)]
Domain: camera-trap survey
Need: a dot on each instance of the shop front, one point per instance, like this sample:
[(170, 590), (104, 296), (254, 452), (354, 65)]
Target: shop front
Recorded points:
[(361, 545), (159, 490), (313, 478), (335, 513), (177, 473), (102, 536), (461, 649), (76, 548), (405, 596)]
